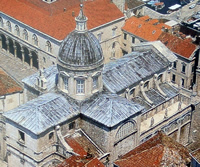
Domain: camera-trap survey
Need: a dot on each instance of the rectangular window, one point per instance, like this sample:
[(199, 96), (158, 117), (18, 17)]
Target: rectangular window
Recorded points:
[(174, 65), (99, 37), (133, 39), (192, 68), (183, 68), (125, 36), (113, 32), (71, 125), (21, 136), (173, 78), (80, 87), (95, 82)]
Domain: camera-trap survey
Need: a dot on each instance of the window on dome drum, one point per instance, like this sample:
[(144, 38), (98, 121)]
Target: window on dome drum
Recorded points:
[(80, 87), (17, 32), (65, 82), (35, 40), (183, 68), (9, 26), (25, 35), (133, 39), (174, 65), (173, 78), (95, 82), (125, 36), (21, 136), (71, 125), (49, 48), (125, 130), (1, 22)]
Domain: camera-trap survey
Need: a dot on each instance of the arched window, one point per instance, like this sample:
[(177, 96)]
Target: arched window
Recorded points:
[(1, 22), (49, 48), (25, 35), (9, 26), (35, 40), (125, 130), (65, 82), (17, 32)]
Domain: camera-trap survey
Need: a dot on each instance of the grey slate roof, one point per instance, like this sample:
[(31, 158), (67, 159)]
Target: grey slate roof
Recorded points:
[(169, 90), (110, 109), (49, 74), (155, 96), (43, 112), (131, 69)]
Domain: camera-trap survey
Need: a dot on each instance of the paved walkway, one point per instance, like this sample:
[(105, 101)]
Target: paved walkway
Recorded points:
[(14, 67)]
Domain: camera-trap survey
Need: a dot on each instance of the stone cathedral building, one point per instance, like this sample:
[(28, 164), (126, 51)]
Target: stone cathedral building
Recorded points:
[(115, 106)]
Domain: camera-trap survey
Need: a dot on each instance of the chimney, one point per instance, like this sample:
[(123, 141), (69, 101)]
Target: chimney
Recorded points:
[(73, 13)]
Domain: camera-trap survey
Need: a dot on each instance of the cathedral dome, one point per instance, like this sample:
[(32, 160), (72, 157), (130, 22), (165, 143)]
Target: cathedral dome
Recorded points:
[(80, 48)]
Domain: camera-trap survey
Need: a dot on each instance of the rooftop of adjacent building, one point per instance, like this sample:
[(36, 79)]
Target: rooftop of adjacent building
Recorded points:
[(7, 84), (154, 151), (87, 152), (196, 154), (151, 30), (57, 19)]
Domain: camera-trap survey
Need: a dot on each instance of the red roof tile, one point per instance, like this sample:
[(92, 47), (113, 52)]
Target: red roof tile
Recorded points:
[(7, 84), (52, 20), (177, 45), (77, 161), (151, 153), (142, 28), (77, 148)]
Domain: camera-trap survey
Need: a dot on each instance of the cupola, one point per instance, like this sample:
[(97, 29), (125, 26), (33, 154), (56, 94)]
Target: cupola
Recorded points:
[(80, 62)]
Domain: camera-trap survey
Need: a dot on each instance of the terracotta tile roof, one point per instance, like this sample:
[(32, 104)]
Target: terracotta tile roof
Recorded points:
[(52, 20), (85, 159), (152, 153), (7, 84), (196, 154), (177, 45), (81, 145), (142, 28), (77, 148), (77, 161)]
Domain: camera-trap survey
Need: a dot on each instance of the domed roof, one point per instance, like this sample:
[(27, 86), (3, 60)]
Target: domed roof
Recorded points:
[(80, 48)]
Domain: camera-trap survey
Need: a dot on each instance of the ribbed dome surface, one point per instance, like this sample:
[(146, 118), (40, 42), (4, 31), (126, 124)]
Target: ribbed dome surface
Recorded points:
[(80, 49)]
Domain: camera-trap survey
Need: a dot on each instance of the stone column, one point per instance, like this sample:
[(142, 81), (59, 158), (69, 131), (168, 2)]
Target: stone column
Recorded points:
[(15, 50), (31, 59), (7, 43), (22, 50), (0, 42)]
